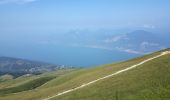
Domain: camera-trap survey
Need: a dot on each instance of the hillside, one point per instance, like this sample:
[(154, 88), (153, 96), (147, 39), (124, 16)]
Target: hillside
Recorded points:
[(148, 81), (18, 67), (6, 77)]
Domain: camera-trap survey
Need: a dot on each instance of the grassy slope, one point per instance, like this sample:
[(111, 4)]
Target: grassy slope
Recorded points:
[(25, 83), (6, 77), (26, 86), (150, 81), (15, 82), (147, 81)]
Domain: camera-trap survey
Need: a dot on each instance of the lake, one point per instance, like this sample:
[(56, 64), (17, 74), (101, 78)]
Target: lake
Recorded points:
[(66, 55)]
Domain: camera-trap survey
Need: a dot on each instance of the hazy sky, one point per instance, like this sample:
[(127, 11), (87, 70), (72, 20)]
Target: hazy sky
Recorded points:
[(52, 15)]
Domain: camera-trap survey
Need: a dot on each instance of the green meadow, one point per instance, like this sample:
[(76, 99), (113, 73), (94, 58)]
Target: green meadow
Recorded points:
[(149, 81)]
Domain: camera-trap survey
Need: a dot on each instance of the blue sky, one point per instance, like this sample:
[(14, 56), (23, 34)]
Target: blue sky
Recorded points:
[(54, 15)]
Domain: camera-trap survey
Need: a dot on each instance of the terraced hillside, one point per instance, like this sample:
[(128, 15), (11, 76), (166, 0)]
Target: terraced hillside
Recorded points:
[(148, 81)]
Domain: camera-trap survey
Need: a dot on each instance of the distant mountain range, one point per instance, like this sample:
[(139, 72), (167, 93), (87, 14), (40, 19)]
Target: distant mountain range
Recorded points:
[(17, 67), (138, 42)]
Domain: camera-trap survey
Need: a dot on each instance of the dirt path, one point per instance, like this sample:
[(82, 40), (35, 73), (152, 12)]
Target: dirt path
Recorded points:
[(118, 72)]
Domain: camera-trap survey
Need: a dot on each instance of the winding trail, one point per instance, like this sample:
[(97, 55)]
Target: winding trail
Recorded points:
[(118, 72)]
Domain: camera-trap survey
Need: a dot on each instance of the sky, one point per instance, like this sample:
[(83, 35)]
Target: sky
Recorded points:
[(56, 15)]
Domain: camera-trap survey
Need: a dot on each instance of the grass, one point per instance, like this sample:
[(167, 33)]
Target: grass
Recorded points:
[(149, 81), (6, 77), (24, 79), (27, 86), (25, 83)]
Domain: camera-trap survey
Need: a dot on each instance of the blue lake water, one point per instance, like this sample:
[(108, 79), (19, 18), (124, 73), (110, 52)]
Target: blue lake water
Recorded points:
[(65, 55)]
